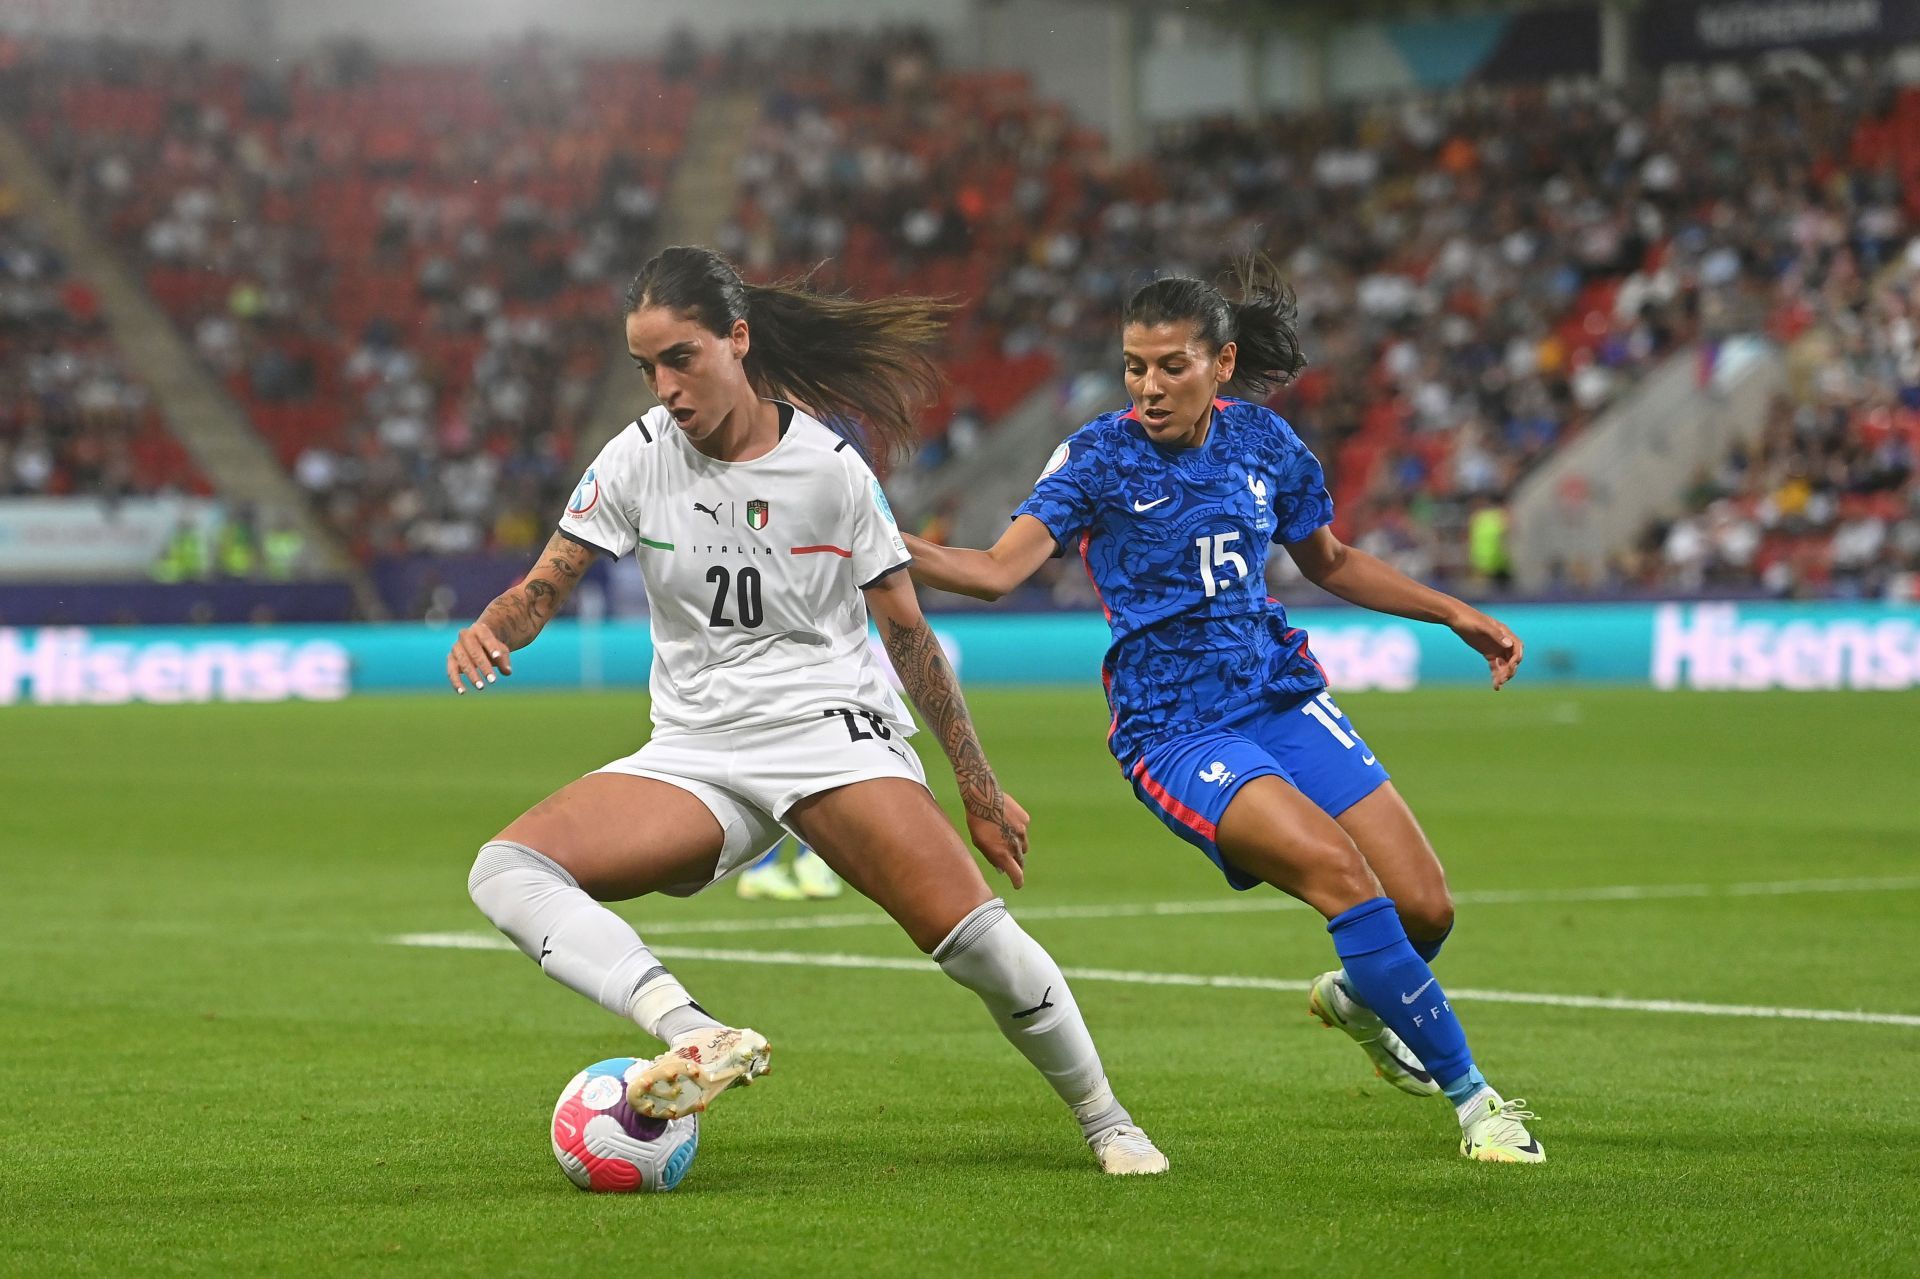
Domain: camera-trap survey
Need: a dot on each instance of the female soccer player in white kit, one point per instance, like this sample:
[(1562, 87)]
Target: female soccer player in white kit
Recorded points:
[(765, 541)]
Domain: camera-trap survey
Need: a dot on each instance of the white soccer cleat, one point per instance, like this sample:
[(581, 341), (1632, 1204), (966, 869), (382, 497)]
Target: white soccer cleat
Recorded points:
[(814, 877), (686, 1078), (1392, 1060), (1125, 1151), (1494, 1131)]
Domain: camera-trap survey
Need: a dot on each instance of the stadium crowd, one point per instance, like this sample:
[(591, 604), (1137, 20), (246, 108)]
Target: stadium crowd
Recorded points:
[(404, 271), (1828, 501), (1478, 278), (73, 419)]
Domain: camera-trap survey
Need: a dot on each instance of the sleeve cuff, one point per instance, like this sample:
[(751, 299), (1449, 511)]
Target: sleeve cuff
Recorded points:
[(592, 546), (1059, 541), (886, 574)]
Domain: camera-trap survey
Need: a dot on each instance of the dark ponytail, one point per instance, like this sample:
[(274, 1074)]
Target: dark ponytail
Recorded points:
[(1261, 323), (846, 361)]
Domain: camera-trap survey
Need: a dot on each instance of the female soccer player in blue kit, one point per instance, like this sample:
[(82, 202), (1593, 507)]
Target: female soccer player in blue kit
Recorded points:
[(1221, 716)]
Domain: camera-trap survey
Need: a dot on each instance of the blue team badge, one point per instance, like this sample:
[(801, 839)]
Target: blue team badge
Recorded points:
[(880, 500), (1058, 460), (585, 494)]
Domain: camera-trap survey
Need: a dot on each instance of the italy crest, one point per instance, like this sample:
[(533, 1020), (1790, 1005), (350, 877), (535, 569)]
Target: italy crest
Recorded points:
[(756, 514)]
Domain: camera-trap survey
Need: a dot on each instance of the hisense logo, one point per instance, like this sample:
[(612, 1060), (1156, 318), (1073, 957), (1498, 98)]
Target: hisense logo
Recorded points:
[(1710, 646), (63, 666)]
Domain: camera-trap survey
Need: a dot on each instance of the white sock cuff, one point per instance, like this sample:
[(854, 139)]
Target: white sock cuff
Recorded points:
[(500, 855), (971, 929)]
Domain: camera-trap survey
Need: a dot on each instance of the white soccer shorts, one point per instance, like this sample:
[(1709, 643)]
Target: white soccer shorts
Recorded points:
[(749, 777)]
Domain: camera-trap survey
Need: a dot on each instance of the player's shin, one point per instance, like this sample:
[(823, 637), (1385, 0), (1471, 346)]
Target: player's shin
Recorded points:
[(579, 942), (991, 955), (1387, 975)]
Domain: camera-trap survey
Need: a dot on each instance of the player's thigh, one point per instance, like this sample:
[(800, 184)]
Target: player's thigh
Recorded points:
[(888, 838), (621, 836), (1389, 837), (1272, 831)]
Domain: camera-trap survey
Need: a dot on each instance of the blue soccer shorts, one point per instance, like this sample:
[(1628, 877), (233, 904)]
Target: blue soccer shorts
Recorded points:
[(1188, 781)]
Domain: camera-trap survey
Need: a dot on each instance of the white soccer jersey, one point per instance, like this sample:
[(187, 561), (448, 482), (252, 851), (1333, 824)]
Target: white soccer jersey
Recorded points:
[(753, 570)]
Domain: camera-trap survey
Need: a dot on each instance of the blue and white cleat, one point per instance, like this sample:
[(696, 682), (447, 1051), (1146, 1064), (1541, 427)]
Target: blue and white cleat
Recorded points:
[(1392, 1060), (1494, 1131)]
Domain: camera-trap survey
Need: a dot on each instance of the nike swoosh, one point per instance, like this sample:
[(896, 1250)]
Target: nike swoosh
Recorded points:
[(1367, 760), (1407, 999), (571, 1130), (1148, 506)]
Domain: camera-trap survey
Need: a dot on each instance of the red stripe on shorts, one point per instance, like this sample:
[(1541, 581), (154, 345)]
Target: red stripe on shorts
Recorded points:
[(1174, 808)]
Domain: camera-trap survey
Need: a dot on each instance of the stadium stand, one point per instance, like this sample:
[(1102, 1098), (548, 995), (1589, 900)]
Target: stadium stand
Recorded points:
[(1479, 277), (403, 271), (893, 175), (73, 420), (1828, 503)]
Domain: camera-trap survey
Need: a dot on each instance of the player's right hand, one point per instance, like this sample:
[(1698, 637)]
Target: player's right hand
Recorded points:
[(477, 654), (1000, 833)]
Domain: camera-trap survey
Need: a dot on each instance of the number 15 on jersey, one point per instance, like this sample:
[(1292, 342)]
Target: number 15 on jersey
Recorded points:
[(1214, 554)]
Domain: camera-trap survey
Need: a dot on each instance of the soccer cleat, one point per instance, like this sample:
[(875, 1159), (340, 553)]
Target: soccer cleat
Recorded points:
[(1125, 1151), (1493, 1131), (773, 883), (814, 877), (1392, 1060), (686, 1078)]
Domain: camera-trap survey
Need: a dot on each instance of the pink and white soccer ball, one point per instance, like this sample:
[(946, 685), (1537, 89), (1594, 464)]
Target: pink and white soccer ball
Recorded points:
[(602, 1144)]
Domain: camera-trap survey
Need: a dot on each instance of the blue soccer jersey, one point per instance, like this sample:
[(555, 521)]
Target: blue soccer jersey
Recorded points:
[(1175, 541)]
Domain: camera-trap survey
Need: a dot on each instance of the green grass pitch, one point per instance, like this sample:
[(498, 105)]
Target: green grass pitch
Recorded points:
[(213, 1061)]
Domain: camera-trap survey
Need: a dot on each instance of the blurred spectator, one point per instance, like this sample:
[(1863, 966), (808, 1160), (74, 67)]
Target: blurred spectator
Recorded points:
[(73, 420)]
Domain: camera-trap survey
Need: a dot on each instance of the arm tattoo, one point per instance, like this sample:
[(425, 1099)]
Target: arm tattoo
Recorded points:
[(519, 613), (930, 682)]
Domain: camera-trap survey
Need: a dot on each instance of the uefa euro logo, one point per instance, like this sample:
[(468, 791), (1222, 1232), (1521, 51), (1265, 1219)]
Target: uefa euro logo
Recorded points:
[(585, 494)]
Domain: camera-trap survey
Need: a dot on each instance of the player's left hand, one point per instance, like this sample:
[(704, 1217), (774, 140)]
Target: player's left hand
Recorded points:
[(1490, 638), (1002, 836)]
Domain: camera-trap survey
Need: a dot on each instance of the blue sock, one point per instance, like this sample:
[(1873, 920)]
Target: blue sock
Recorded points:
[(1430, 950), (772, 857), (1385, 973)]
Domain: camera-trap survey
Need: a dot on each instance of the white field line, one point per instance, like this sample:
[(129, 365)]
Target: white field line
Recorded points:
[(1238, 905), (892, 963)]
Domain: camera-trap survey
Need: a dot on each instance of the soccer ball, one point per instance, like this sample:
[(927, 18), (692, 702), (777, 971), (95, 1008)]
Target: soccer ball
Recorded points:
[(603, 1145)]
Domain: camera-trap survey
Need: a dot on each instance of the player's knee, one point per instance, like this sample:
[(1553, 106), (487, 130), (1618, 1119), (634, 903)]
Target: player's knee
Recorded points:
[(505, 874), (1340, 878), (1427, 913)]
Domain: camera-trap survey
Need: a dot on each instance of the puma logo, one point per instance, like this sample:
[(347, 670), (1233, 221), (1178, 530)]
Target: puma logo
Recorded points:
[(1044, 1003), (713, 510)]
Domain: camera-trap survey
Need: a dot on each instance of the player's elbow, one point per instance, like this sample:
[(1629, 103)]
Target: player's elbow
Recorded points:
[(1319, 567)]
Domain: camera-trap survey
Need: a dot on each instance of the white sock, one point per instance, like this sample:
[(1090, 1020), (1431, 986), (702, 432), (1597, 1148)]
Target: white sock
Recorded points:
[(991, 955), (1465, 1110), (577, 941)]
